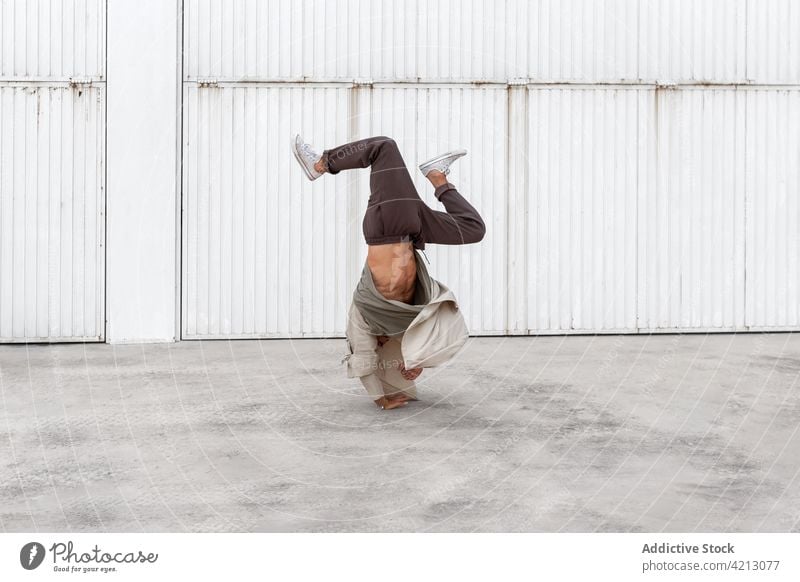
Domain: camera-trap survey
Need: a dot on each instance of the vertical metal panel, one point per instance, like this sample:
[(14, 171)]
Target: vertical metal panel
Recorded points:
[(52, 40), (691, 249), (445, 40), (721, 41), (582, 184), (517, 211), (773, 208), (466, 40), (51, 170), (286, 39), (773, 41), (264, 250), (609, 209), (686, 40), (51, 213), (580, 40)]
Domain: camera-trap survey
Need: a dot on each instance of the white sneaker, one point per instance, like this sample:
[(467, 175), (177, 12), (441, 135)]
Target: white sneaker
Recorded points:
[(441, 162), (306, 157)]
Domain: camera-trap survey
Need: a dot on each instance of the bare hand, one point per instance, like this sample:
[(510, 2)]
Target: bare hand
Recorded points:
[(411, 374)]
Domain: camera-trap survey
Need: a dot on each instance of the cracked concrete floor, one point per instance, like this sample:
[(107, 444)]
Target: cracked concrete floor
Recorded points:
[(582, 433)]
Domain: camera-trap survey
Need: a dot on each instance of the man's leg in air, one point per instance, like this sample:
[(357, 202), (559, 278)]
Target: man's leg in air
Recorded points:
[(461, 223)]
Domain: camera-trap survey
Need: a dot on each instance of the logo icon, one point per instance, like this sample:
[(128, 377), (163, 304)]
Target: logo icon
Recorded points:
[(31, 555)]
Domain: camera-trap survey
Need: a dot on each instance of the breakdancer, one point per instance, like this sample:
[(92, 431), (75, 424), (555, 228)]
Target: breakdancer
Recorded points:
[(401, 320)]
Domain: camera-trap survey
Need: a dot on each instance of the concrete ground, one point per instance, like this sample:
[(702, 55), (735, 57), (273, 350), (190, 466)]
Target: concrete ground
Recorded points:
[(610, 433)]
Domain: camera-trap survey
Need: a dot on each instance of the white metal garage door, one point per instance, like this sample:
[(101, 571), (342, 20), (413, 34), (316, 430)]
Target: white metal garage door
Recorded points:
[(634, 159), (52, 89)]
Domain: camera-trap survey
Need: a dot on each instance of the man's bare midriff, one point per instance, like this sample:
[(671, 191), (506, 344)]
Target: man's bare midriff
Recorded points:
[(394, 270)]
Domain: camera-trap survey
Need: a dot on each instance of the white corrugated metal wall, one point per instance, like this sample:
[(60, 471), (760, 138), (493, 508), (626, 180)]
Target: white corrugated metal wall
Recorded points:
[(636, 161), (52, 90)]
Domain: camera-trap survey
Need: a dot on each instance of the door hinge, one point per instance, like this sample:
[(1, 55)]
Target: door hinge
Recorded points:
[(206, 82), (76, 82)]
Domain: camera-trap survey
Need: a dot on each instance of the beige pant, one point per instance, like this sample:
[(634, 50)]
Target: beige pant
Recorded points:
[(390, 360)]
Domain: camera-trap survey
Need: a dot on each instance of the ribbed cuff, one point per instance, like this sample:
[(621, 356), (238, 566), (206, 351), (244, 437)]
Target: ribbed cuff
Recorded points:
[(442, 189), (326, 156)]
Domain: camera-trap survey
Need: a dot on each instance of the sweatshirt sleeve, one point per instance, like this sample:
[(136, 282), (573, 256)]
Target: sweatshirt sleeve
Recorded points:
[(362, 359)]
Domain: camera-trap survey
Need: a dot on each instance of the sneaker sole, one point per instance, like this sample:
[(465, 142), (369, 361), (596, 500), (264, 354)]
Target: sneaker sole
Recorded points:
[(459, 153), (297, 157)]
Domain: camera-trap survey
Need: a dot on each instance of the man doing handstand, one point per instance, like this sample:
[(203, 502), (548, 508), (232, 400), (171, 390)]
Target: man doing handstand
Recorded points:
[(396, 303)]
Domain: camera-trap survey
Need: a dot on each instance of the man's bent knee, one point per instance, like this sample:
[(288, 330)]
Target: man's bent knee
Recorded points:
[(386, 142)]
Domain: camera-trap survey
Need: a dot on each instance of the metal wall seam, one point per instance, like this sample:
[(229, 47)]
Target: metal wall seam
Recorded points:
[(51, 201), (517, 210)]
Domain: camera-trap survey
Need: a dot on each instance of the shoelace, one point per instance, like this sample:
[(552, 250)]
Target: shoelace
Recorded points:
[(307, 151)]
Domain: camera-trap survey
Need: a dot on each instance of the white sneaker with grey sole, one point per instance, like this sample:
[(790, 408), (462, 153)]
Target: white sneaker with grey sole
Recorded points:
[(306, 157), (441, 162)]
